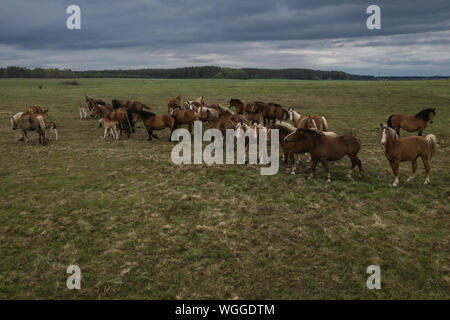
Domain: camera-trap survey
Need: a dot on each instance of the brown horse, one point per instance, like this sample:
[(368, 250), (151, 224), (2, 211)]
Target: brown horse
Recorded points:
[(184, 116), (174, 103), (411, 124), (324, 149), (238, 104), (156, 122), (407, 149), (37, 110), (112, 119), (30, 122), (273, 111), (290, 149), (91, 102), (131, 106)]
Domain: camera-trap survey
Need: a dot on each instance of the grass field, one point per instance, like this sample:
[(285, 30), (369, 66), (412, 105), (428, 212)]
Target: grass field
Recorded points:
[(140, 227)]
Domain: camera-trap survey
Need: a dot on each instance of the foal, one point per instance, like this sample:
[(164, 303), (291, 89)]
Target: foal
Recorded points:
[(324, 149), (409, 123), (29, 122), (407, 149)]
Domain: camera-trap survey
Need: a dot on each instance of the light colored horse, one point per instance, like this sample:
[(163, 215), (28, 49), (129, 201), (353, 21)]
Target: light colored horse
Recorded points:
[(308, 122), (29, 122)]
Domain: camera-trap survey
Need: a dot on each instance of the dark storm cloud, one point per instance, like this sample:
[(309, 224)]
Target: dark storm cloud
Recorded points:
[(322, 34), (107, 24)]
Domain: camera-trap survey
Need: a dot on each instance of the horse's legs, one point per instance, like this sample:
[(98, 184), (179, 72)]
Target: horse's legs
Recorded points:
[(355, 162), (398, 130), (414, 168), (292, 160), (426, 163), (420, 132), (326, 168), (190, 127), (395, 167), (313, 168), (149, 134), (155, 136)]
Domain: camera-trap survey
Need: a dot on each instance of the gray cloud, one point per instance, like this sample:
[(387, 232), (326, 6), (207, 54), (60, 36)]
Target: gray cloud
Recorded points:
[(257, 33)]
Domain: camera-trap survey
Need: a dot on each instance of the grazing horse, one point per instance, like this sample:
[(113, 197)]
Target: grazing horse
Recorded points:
[(184, 116), (273, 111), (132, 106), (156, 122), (307, 122), (407, 149), (29, 122), (112, 119), (174, 103), (238, 104), (324, 149), (411, 124)]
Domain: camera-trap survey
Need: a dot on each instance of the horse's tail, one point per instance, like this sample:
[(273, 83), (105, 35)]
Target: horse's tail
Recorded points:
[(12, 124), (432, 143), (175, 125), (41, 121), (389, 122), (325, 124)]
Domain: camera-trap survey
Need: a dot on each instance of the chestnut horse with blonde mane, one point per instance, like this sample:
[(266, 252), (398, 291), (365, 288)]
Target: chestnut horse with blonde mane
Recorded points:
[(407, 149)]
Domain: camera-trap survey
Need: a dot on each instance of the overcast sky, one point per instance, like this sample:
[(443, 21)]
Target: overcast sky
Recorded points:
[(319, 34)]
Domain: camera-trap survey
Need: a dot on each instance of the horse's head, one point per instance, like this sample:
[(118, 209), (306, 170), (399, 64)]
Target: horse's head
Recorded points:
[(386, 131), (95, 111), (431, 114), (45, 112)]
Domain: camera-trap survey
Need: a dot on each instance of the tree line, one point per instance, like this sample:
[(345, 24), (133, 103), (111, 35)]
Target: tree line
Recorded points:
[(208, 72)]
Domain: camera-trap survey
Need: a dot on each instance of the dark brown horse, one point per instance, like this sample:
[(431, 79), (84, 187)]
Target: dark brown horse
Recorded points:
[(324, 149), (238, 105), (411, 123), (156, 122), (273, 111), (407, 149), (132, 106), (174, 103)]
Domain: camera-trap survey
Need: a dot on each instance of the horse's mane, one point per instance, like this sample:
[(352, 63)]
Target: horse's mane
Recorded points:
[(392, 133), (146, 114), (285, 126), (226, 109), (116, 103), (425, 114), (275, 104), (235, 100)]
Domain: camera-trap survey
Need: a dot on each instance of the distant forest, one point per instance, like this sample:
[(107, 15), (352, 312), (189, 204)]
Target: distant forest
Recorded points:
[(204, 72)]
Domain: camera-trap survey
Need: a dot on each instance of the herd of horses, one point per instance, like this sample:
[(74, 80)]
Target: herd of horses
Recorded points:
[(298, 134)]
